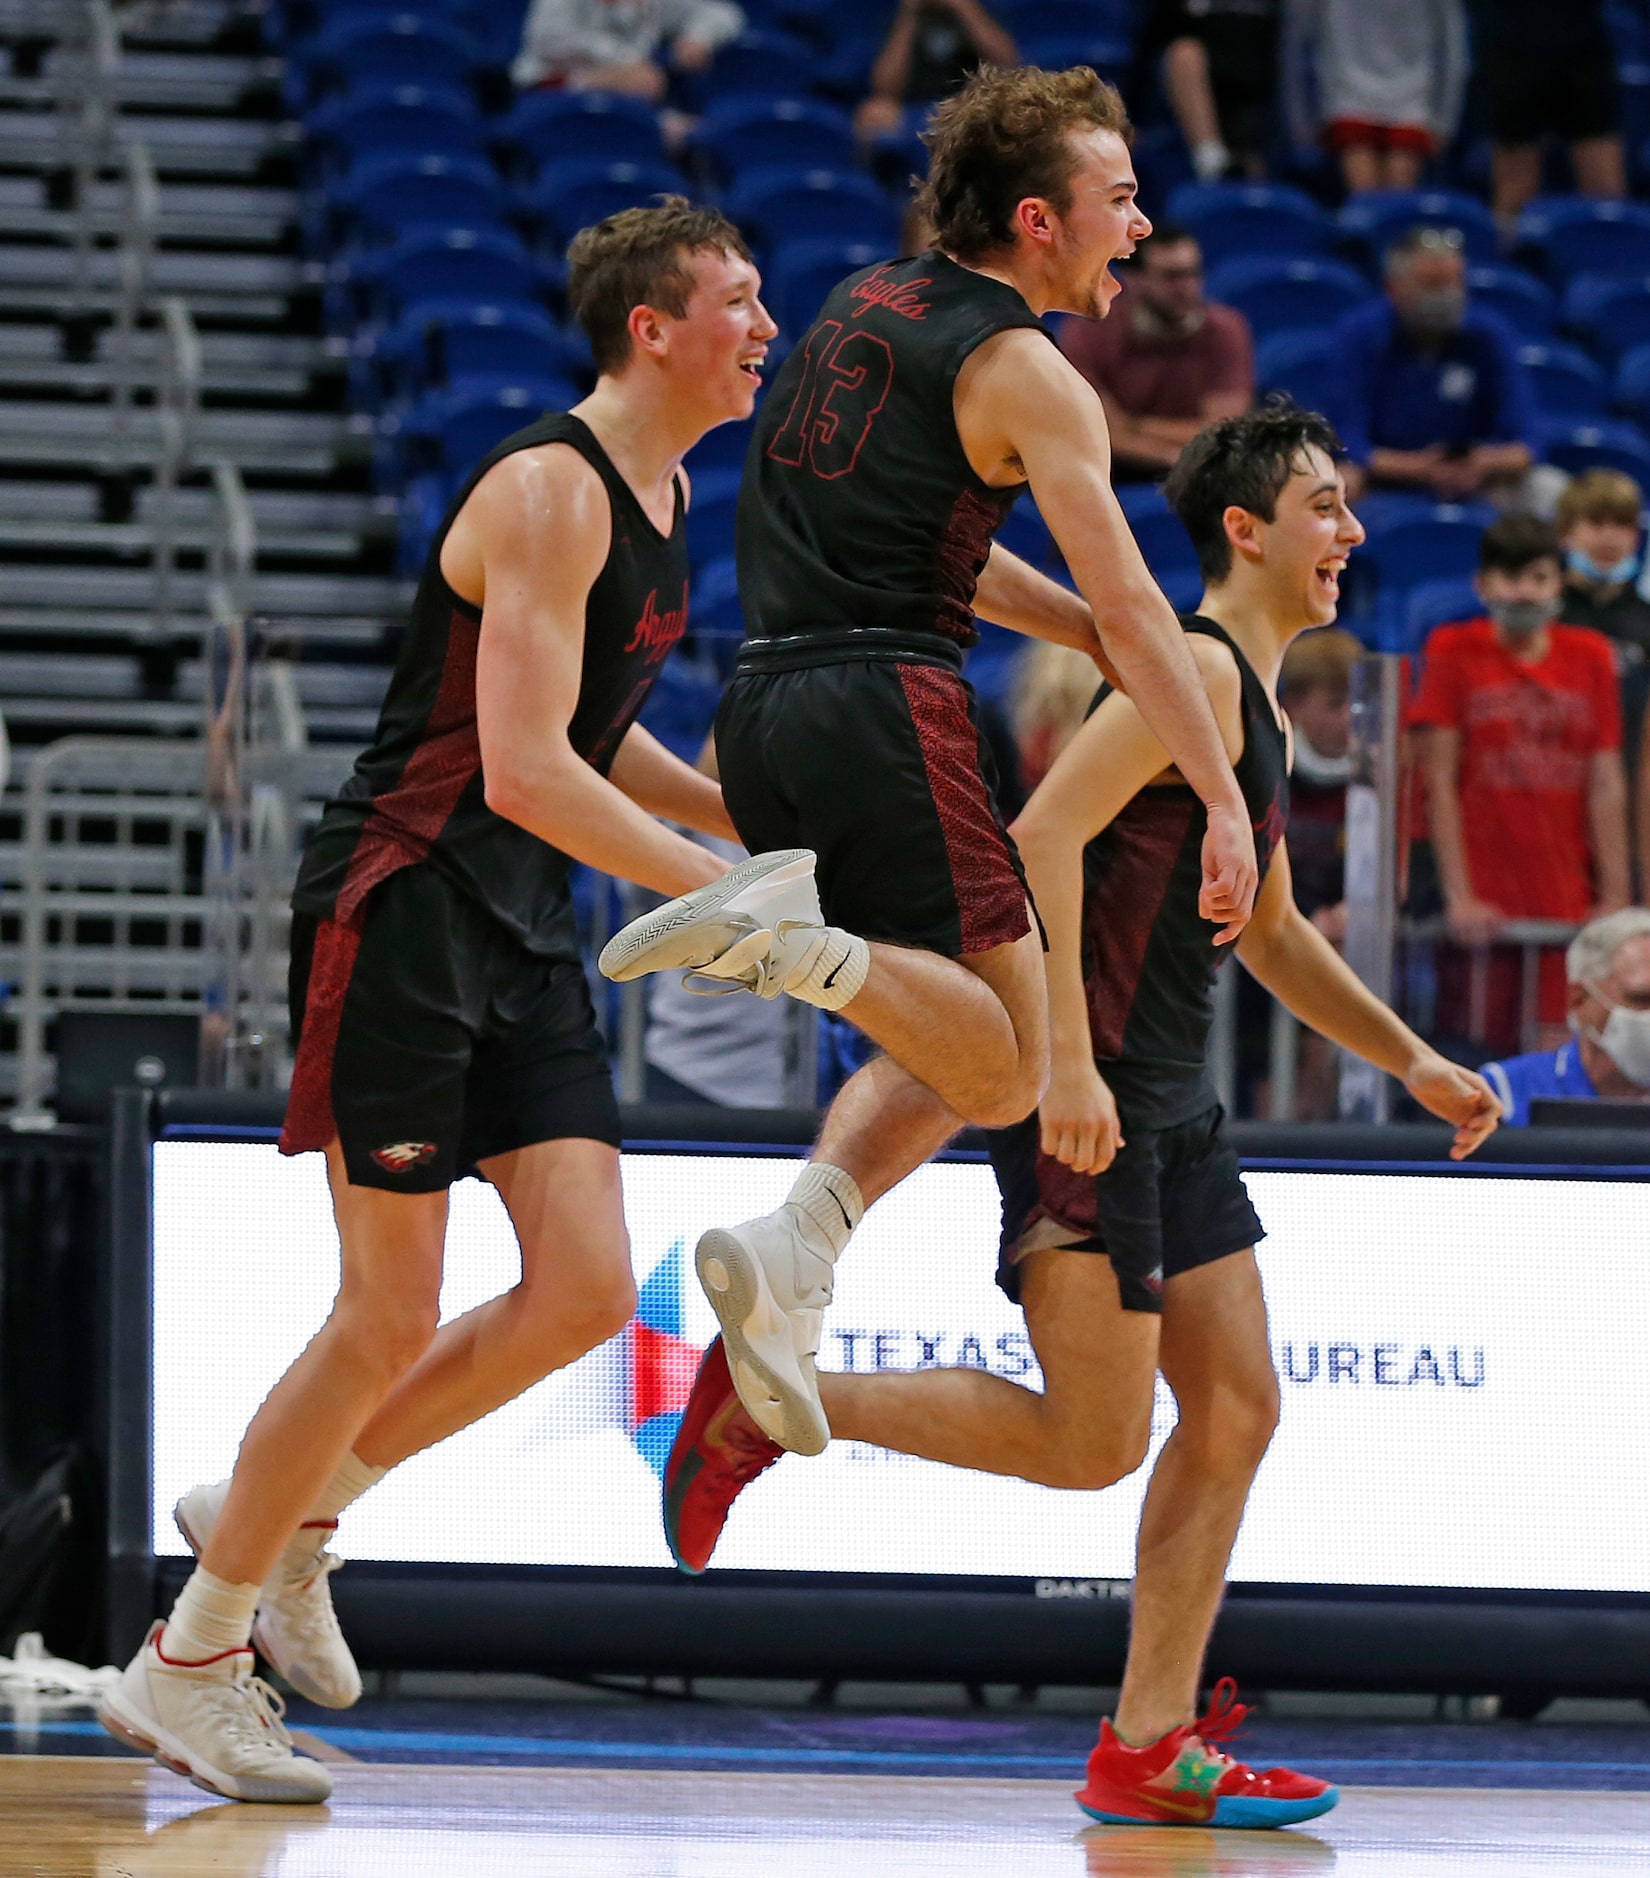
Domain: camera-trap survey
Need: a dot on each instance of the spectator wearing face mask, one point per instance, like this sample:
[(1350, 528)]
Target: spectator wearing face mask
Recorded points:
[(1599, 522), (1430, 392), (1519, 722), (1607, 1056)]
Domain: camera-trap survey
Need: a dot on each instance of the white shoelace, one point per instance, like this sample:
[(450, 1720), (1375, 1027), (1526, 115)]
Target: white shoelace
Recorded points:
[(308, 1600), (247, 1714)]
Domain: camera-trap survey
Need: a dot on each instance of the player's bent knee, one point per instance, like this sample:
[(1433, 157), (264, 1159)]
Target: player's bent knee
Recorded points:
[(1091, 1464), (389, 1340)]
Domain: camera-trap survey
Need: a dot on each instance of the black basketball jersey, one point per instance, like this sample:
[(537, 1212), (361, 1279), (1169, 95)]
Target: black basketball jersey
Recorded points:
[(1149, 957), (417, 794), (859, 508)]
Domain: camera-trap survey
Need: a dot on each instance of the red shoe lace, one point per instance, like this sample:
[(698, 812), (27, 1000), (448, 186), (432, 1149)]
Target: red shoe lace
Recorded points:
[(1226, 1714)]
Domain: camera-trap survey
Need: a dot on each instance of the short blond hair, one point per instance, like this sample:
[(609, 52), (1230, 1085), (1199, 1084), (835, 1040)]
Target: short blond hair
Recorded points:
[(1601, 495), (1053, 689)]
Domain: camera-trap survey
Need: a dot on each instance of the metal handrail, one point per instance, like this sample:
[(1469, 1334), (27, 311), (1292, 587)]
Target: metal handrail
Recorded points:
[(88, 103), (177, 406)]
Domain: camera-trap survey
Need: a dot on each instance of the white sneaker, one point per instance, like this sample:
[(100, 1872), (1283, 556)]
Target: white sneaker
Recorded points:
[(296, 1627), (769, 1282), (215, 1723), (759, 927)]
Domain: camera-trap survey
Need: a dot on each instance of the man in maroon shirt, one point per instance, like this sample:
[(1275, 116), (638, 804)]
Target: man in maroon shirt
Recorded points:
[(1167, 362)]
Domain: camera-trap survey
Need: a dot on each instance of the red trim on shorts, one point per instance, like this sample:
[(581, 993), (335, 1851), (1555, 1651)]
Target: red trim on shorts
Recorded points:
[(1146, 840), (962, 554), (1357, 133), (407, 820), (309, 1120), (991, 898)]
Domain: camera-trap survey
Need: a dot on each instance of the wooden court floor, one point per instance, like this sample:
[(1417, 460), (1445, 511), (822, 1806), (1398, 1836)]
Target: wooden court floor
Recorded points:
[(117, 1818)]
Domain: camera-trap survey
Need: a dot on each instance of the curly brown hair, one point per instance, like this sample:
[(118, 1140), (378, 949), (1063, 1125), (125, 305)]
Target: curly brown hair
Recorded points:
[(1006, 136), (639, 258)]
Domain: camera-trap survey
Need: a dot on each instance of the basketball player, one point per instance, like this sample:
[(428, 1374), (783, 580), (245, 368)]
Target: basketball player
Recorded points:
[(1128, 1235), (896, 438), (443, 1018)]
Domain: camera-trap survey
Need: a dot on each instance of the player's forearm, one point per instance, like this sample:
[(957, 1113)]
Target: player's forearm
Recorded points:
[(567, 804), (1054, 873), (1013, 594), (892, 70), (1145, 642), (1304, 972), (663, 785)]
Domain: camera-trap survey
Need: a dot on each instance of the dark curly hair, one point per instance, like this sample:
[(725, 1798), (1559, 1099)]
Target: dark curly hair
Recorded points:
[(638, 258), (1005, 136), (1242, 462)]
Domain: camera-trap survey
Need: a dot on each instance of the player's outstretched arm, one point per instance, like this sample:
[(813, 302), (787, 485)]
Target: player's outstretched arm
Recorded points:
[(538, 527), (1013, 593), (659, 781), (1019, 401), (1300, 968)]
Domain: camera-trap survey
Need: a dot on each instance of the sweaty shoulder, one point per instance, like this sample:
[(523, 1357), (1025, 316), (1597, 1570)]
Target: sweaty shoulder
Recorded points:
[(546, 505)]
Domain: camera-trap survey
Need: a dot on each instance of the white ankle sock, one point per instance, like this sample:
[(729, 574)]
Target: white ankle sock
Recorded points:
[(353, 1478), (837, 972), (210, 1618), (831, 1198)]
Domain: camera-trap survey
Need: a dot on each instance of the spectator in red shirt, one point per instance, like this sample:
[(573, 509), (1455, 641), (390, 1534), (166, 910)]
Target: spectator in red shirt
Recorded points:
[(1521, 754), (1167, 362)]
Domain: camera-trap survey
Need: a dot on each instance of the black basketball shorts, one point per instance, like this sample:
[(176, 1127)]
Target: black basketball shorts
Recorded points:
[(878, 765), (1574, 98), (1172, 1200), (428, 1038)]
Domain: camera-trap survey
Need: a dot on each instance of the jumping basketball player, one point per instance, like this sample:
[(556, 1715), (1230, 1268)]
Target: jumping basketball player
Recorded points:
[(1128, 1235), (895, 440), (442, 1011)]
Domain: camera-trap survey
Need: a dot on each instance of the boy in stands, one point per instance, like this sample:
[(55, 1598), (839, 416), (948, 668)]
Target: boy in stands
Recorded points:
[(1128, 1235)]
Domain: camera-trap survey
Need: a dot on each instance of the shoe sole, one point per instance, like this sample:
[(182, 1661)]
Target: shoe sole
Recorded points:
[(645, 945), (301, 1684), (146, 1735), (778, 1397), (1232, 1814)]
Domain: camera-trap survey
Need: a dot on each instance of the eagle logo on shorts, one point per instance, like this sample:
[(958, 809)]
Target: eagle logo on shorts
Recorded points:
[(401, 1157)]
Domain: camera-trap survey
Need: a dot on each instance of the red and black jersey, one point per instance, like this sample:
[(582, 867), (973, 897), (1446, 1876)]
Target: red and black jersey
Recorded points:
[(859, 508), (417, 794), (1149, 957)]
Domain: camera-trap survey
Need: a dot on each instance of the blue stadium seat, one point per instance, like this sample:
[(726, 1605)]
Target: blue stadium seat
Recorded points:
[(724, 448), (404, 48), (1610, 311), (1165, 544), (1441, 546), (575, 194), (710, 517), (407, 120), (1612, 443), (713, 609), (775, 206), (451, 342), (1518, 297), (1565, 381), (478, 264), (1277, 295), (386, 196), (1248, 218), (1403, 627), (1629, 34), (740, 133), (1138, 499), (1575, 235), (757, 65), (587, 126), (1301, 363), (1098, 46), (1631, 392), (1370, 223), (470, 422), (802, 273)]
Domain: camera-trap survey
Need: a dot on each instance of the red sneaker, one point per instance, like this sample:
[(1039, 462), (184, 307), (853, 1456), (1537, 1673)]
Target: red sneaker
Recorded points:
[(1184, 1781), (717, 1453)]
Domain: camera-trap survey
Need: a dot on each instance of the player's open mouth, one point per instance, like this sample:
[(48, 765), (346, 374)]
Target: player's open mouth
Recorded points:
[(752, 368), (1328, 574)]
